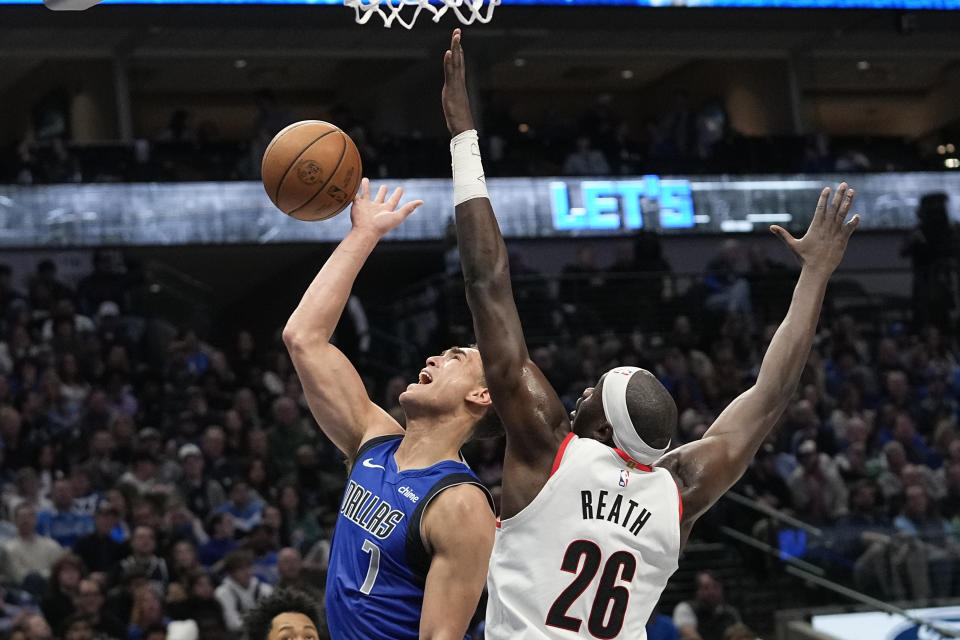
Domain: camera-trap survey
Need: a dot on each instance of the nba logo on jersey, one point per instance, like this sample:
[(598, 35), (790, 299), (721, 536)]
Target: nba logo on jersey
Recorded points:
[(624, 477)]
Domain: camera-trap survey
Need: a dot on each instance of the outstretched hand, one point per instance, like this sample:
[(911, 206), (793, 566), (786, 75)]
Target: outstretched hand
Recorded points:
[(379, 214), (456, 103), (822, 246)]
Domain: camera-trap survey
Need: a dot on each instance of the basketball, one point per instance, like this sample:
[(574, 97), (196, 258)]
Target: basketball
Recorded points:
[(311, 170)]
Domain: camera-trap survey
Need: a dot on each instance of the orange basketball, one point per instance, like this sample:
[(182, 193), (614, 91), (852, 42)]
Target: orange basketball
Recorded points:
[(311, 170)]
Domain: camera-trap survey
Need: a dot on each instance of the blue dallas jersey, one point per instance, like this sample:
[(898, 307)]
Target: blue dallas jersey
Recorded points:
[(378, 564)]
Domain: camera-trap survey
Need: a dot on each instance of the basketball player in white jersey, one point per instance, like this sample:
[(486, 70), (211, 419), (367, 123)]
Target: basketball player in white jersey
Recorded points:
[(594, 512)]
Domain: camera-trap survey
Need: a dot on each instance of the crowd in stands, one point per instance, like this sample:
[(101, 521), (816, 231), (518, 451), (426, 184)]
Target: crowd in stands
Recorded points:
[(159, 487), (689, 138)]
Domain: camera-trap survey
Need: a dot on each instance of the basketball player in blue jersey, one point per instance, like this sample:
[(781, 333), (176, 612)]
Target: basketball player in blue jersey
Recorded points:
[(594, 511), (412, 540)]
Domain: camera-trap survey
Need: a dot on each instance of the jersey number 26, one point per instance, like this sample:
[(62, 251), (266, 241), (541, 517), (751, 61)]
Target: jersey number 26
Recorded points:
[(620, 566)]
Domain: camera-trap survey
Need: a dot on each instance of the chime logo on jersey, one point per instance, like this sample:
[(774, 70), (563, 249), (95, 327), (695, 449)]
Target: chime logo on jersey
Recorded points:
[(370, 511), (624, 477), (408, 493)]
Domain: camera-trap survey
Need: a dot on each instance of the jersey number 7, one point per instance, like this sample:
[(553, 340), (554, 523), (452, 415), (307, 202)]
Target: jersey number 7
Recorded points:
[(621, 565), (373, 569)]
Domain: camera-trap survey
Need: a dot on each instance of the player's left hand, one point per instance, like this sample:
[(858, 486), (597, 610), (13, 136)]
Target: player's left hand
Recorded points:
[(822, 246), (456, 103), (378, 214)]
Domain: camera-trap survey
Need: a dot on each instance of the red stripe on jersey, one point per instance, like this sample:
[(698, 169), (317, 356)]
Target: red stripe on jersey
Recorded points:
[(636, 465), (498, 519), (679, 499), (563, 447)]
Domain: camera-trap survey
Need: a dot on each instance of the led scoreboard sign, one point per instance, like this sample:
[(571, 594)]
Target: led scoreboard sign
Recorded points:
[(608, 205)]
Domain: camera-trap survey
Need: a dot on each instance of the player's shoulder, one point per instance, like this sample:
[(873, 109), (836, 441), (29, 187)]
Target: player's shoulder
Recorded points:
[(466, 500), (458, 514)]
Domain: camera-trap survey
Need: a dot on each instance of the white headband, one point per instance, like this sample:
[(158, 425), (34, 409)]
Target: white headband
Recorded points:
[(625, 435)]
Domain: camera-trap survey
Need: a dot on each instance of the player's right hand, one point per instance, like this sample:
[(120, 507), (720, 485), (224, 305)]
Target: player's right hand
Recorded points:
[(456, 103), (379, 215), (822, 246)]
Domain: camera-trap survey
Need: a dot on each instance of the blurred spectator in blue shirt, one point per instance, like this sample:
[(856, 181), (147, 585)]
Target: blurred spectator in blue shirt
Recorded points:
[(661, 627), (61, 523)]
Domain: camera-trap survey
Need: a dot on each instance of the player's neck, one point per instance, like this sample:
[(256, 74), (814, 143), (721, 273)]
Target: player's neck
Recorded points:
[(426, 443)]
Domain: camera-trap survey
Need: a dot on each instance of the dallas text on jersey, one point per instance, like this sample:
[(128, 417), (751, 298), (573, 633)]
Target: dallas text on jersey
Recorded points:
[(369, 511), (597, 510)]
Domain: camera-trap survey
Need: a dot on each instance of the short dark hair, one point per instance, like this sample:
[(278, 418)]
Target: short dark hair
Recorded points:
[(260, 619), (237, 560), (652, 409)]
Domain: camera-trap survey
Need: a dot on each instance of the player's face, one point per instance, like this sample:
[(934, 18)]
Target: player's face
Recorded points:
[(292, 626), (447, 379), (588, 419)]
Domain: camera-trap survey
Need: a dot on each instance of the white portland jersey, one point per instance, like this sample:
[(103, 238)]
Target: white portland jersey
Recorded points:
[(590, 555)]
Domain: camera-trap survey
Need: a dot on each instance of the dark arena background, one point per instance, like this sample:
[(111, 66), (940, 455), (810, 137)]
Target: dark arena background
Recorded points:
[(636, 155)]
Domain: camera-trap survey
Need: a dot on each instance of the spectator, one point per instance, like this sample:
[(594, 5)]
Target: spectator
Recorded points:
[(65, 576), (11, 612), (103, 468), (9, 295), (142, 478), (89, 603), (103, 284), (930, 248), (28, 554), (299, 526), (99, 551), (18, 452), (146, 615), (240, 591), (35, 627), (894, 461), (287, 434), (819, 494), (222, 541), (201, 606), (27, 491), (263, 546), (218, 466), (904, 432), (61, 523), (78, 627), (183, 561), (290, 574), (246, 511), (201, 494), (45, 288), (85, 499), (727, 290), (586, 160), (708, 615), (931, 531), (143, 559), (861, 536)]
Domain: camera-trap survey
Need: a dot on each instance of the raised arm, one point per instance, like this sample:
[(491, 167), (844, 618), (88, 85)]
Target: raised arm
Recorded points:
[(334, 390), (530, 409), (705, 469)]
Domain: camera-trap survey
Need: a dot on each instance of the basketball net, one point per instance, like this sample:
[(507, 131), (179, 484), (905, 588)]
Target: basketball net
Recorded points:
[(468, 11)]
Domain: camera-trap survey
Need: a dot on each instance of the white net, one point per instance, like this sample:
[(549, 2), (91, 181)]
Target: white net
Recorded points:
[(405, 12)]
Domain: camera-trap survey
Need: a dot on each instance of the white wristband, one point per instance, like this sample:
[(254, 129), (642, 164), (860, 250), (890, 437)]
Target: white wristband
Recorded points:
[(468, 179)]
